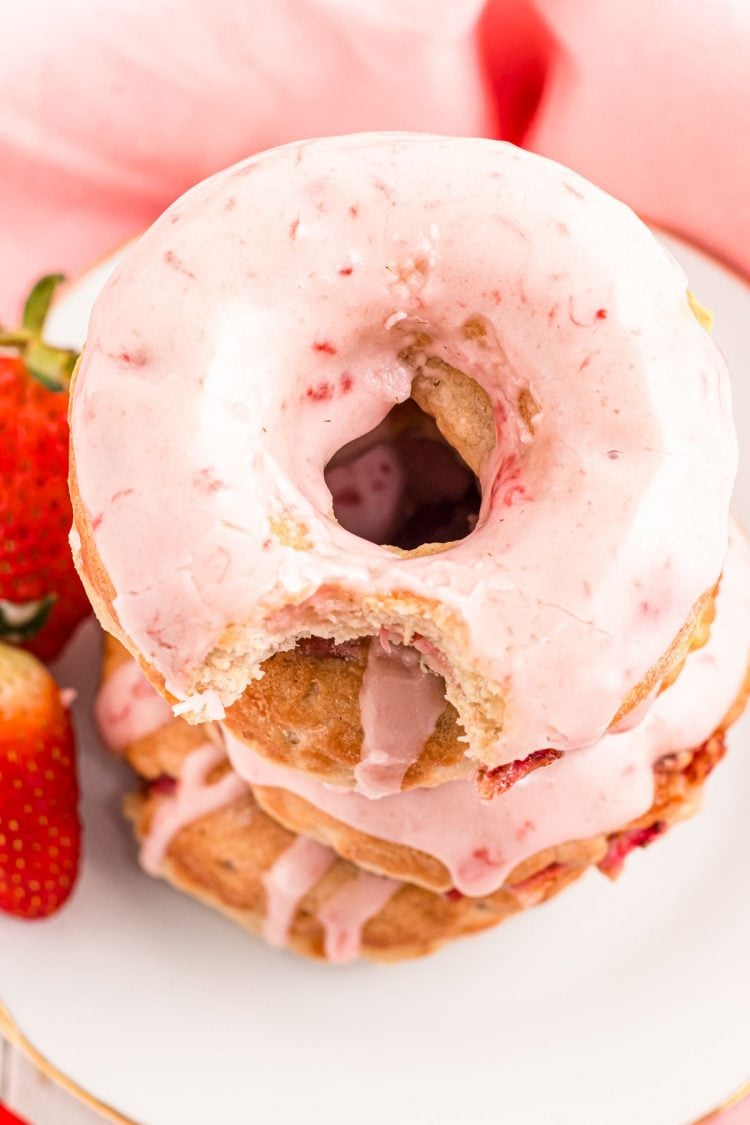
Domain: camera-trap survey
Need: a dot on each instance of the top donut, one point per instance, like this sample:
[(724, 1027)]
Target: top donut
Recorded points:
[(281, 309)]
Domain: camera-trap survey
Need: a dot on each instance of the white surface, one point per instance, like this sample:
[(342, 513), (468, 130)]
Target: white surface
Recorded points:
[(36, 1098), (611, 1004)]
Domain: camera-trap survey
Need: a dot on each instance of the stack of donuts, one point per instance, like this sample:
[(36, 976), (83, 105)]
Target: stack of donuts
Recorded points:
[(401, 469)]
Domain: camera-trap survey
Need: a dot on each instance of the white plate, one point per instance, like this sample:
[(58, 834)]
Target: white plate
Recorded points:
[(612, 1004)]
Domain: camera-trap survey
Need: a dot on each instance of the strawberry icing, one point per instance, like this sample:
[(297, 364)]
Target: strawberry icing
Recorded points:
[(194, 797), (127, 708), (601, 522), (589, 791), (399, 705), (343, 916), (288, 880)]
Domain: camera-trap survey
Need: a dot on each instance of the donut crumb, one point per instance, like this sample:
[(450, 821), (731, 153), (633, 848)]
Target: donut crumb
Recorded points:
[(289, 531), (475, 328), (529, 409)]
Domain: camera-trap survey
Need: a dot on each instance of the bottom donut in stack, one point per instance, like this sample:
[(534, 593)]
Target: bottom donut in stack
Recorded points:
[(336, 875), (202, 830)]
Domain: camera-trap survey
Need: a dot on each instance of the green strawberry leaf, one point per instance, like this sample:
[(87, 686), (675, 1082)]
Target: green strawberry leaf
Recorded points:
[(50, 366), (14, 338), (38, 302)]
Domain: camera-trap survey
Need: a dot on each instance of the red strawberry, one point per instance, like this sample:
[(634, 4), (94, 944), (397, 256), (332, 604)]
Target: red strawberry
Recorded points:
[(491, 783), (39, 828), (41, 597), (8, 1118), (621, 844)]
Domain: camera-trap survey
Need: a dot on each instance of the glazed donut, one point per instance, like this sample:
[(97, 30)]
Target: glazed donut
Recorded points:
[(448, 837), (278, 311), (464, 860), (241, 862), (201, 830)]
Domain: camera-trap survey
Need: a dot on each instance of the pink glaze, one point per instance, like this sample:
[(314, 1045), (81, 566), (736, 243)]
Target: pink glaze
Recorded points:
[(589, 791), (128, 708), (598, 530), (400, 705), (343, 917), (295, 872), (192, 799)]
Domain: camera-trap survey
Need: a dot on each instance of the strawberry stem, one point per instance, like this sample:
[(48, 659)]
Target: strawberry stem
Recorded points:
[(52, 367), (14, 338), (38, 303)]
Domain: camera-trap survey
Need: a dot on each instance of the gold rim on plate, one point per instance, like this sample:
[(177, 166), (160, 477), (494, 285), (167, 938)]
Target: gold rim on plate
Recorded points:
[(10, 1029), (14, 1035)]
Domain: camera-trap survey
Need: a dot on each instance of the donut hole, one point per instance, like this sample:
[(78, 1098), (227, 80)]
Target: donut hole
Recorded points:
[(403, 484)]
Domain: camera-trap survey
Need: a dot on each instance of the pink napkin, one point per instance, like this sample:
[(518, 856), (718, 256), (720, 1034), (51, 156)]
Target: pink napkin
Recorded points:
[(651, 100), (108, 111)]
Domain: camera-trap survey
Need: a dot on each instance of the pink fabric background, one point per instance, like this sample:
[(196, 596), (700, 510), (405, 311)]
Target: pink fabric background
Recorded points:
[(109, 109)]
